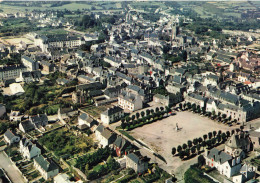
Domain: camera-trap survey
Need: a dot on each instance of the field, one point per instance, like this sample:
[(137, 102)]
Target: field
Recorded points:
[(95, 111), (72, 6), (161, 136)]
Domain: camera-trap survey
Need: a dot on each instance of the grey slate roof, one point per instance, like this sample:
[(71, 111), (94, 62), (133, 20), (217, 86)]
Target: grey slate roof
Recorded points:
[(46, 165), (9, 134), (219, 156), (113, 110)]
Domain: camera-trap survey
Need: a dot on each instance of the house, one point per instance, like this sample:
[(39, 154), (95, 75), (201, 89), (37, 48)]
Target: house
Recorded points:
[(105, 136), (238, 142), (11, 137), (15, 116), (63, 178), (85, 120), (112, 92), (39, 120), (28, 149), (47, 168), (47, 67), (29, 76), (165, 100), (112, 114), (121, 145), (223, 162), (196, 99), (130, 101), (137, 162), (26, 126), (247, 172)]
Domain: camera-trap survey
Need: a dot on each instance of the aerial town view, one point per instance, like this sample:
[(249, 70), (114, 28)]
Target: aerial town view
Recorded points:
[(129, 91)]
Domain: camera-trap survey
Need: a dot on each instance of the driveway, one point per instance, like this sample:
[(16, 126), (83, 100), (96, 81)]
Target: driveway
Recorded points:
[(10, 169)]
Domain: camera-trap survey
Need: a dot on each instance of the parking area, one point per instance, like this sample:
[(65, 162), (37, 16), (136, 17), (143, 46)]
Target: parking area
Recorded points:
[(10, 169)]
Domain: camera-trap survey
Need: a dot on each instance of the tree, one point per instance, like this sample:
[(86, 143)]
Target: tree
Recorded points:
[(133, 118), (198, 148), (241, 128), (210, 135), (142, 114), (214, 133), (162, 109), (219, 132), (205, 137), (189, 144), (184, 146), (201, 160), (232, 132), (173, 151), (148, 112), (203, 144), (187, 152), (209, 143), (224, 116), (152, 111), (137, 115), (193, 149), (179, 148), (228, 133), (127, 119), (213, 141), (157, 109), (181, 154), (180, 106), (223, 136), (123, 125), (189, 105), (200, 140), (195, 141)]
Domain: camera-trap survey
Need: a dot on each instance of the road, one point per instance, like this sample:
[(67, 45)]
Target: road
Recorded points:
[(10, 169)]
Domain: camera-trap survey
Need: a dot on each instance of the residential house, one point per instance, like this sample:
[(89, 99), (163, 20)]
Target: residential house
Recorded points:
[(26, 126), (39, 120), (223, 162), (164, 100), (247, 172), (112, 114), (105, 136), (144, 93), (85, 120), (130, 101), (11, 137), (121, 145), (238, 142), (28, 149), (112, 92), (47, 67), (137, 162), (15, 116), (47, 168), (196, 99)]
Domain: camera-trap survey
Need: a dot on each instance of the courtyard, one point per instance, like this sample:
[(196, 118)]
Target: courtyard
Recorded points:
[(161, 136)]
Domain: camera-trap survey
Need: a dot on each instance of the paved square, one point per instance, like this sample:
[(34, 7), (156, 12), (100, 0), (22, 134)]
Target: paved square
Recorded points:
[(161, 136)]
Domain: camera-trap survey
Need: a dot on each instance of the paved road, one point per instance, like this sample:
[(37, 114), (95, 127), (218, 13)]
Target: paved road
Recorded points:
[(10, 170)]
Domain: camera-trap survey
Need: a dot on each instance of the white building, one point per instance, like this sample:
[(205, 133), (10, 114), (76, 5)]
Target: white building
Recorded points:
[(10, 137), (112, 114), (28, 149), (47, 168)]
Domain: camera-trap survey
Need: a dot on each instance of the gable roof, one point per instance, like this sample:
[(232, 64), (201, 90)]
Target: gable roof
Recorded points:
[(219, 156), (45, 164), (9, 134), (112, 110)]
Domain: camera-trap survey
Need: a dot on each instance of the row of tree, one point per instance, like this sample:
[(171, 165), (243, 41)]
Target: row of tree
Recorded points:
[(142, 117), (207, 140)]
